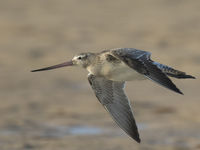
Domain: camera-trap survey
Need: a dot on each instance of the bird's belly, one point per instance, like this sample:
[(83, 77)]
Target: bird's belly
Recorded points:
[(124, 75), (120, 72)]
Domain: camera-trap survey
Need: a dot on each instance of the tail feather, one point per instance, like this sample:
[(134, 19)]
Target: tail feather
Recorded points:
[(181, 76), (173, 72)]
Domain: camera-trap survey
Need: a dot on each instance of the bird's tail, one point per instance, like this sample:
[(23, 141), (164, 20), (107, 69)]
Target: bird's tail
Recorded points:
[(173, 72)]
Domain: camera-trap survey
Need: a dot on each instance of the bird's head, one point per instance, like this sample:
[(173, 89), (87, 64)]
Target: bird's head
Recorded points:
[(82, 60)]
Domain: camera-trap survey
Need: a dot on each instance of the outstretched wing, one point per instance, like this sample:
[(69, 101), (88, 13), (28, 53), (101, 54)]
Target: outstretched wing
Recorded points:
[(111, 95), (141, 62)]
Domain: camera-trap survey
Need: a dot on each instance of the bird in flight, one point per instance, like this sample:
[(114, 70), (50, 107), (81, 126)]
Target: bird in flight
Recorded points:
[(108, 71)]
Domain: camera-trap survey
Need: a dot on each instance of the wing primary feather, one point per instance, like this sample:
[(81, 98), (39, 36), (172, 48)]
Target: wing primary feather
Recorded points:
[(111, 95), (156, 74), (141, 62)]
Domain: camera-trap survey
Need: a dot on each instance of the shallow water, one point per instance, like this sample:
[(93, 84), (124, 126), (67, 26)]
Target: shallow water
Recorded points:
[(61, 131), (85, 130)]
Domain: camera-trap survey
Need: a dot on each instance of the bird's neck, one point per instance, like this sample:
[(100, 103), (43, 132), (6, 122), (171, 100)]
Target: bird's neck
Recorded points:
[(90, 60)]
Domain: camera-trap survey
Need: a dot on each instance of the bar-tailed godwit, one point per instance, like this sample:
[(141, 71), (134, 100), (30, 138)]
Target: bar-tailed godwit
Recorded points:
[(108, 71)]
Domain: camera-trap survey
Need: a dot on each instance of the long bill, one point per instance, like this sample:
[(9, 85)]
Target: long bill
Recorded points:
[(69, 63)]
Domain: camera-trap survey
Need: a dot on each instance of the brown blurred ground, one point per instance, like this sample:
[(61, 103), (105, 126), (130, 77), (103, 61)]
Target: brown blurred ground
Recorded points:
[(39, 33)]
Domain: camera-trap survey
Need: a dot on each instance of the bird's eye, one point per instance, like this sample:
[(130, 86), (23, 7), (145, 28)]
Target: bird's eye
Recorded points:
[(79, 57)]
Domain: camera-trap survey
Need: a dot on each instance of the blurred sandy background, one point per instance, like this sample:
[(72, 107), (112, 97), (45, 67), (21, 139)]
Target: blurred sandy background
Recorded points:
[(58, 109)]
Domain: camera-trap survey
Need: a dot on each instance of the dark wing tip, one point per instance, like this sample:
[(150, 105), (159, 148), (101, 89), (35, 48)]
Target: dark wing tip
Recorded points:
[(137, 139), (134, 134), (178, 91), (173, 87)]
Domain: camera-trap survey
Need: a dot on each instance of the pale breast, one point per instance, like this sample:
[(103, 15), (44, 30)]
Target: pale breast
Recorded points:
[(115, 72)]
